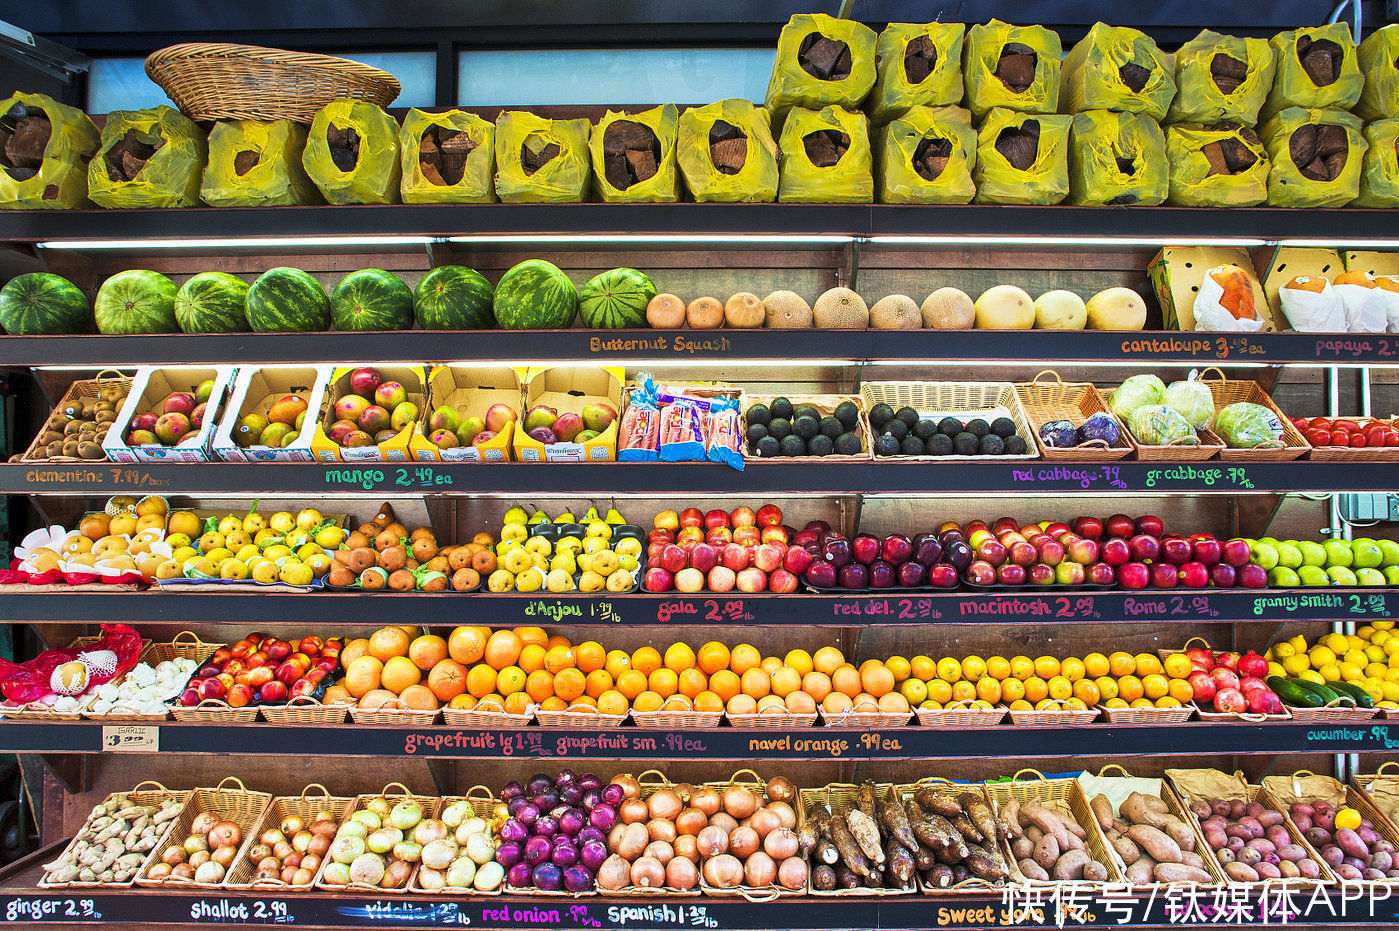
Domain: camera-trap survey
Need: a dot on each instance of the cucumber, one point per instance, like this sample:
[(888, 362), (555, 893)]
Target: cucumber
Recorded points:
[(1326, 694), (1292, 693), (1363, 699)]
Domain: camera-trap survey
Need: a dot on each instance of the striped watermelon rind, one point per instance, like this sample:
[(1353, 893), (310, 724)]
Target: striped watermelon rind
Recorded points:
[(453, 297), (134, 302), (288, 300), (43, 304), (371, 299), (616, 300), (213, 302), (535, 295)]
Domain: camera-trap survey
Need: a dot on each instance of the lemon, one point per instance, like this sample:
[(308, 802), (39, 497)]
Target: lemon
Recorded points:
[(1355, 641), (1311, 675), (1337, 642), (1321, 656), (1382, 625), (1375, 654), (1390, 691), (1296, 665), (1377, 671), (1331, 672), (1282, 651), (1348, 818), (1354, 656), (1299, 643), (1275, 669), (1350, 672), (916, 691)]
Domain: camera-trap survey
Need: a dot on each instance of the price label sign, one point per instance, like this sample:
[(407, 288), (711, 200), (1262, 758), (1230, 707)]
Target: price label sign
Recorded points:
[(388, 477), (130, 738)]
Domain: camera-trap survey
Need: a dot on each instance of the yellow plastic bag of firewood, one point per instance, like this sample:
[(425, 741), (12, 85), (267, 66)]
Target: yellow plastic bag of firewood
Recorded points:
[(539, 161), (1317, 68), (1116, 68), (255, 163), (1022, 158), (1221, 78), (1378, 57), (1117, 159), (926, 157), (46, 146), (447, 158), (1216, 166), (352, 153), (919, 65), (1317, 157), (825, 157), (1379, 172), (727, 154), (1016, 67), (821, 61), (149, 158), (634, 157)]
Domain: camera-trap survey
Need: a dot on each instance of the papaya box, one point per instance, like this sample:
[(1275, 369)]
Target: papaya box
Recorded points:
[(150, 388), (257, 391), (469, 391), (1289, 262), (571, 389), (398, 447), (1177, 272)]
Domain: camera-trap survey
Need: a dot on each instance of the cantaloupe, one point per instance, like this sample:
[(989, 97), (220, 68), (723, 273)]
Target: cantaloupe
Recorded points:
[(1004, 307), (743, 311), (1060, 310), (786, 310), (948, 309), (841, 309), (896, 312), (1118, 309)]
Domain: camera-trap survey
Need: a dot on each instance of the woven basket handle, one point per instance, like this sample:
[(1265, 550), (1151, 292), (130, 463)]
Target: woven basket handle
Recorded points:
[(960, 703), (484, 705), (1217, 370), (733, 780), (1268, 444), (1016, 778), (396, 785), (583, 709), (141, 786), (767, 896), (1340, 701), (233, 779), (863, 703), (1057, 380), (108, 373), (303, 700), (1057, 704), (1116, 766), (1202, 640), (1184, 441), (1255, 717), (659, 777), (1096, 443), (1378, 772), (175, 640), (325, 793), (212, 703), (470, 793), (677, 697)]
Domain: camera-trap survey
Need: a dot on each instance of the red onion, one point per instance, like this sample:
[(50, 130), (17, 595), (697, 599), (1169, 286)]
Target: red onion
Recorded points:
[(603, 817), (539, 783), (577, 879), (519, 875), (613, 794), (572, 821), (513, 830), (512, 791), (589, 782), (537, 850), (508, 854), (527, 814), (547, 876), (592, 854), (565, 776), (565, 855)]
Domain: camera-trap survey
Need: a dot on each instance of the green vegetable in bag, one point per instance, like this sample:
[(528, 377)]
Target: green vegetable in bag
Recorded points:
[(1221, 78), (1247, 426), (919, 64), (1117, 158), (447, 158), (539, 161), (1158, 425), (1379, 175), (1116, 68), (1192, 399), (727, 154), (46, 148), (634, 157), (926, 157), (352, 153), (1317, 157), (1137, 391), (1378, 60), (1216, 166), (825, 158), (1316, 68), (149, 158), (821, 61), (1011, 66), (257, 164), (1022, 158)]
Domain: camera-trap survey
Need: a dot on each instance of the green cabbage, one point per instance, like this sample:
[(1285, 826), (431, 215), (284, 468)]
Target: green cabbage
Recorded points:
[(1245, 426), (1192, 400), (1136, 391), (1158, 425)]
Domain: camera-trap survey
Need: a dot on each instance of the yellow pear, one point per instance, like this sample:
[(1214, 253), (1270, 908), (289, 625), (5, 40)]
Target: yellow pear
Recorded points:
[(591, 582)]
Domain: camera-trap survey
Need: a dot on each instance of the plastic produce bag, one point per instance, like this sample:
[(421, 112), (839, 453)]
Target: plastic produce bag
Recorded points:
[(1016, 67), (1379, 172), (825, 158), (149, 158), (1378, 59), (257, 164), (1137, 391), (1117, 158), (1158, 425), (539, 161), (1192, 399), (1224, 302), (821, 61), (1244, 425), (926, 157), (727, 154), (1316, 68), (447, 158), (46, 146), (114, 652), (919, 65), (352, 153), (1116, 68), (1221, 79), (634, 157), (1317, 157), (1022, 158), (1216, 166), (1311, 305)]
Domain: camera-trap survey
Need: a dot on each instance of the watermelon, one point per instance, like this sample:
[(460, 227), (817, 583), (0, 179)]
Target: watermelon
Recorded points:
[(41, 304), (213, 302), (136, 301), (616, 300), (453, 297), (535, 295), (371, 299), (287, 300)]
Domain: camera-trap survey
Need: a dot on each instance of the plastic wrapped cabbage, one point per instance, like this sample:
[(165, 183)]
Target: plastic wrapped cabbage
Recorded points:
[(1191, 399), (1102, 428), (1136, 392), (1158, 425), (1244, 425), (1058, 434)]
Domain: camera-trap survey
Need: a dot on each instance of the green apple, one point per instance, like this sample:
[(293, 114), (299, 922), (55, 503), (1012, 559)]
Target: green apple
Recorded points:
[(1313, 576), (1291, 555), (1366, 576), (1313, 554), (1271, 541), (1338, 553), (1389, 550), (1264, 554), (1342, 576), (1283, 577), (1366, 554), (1391, 575)]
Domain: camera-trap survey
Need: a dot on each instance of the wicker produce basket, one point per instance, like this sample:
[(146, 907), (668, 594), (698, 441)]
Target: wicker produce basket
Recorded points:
[(393, 714), (185, 645), (243, 874), (1381, 790), (579, 716), (960, 399), (1340, 711), (651, 781), (224, 81), (1147, 715), (866, 713), (1306, 786), (961, 713), (1117, 788), (1350, 454), (771, 719), (486, 715), (483, 805), (681, 716), (1075, 402), (88, 389), (838, 798), (753, 893), (1061, 713), (1065, 797), (972, 885), (215, 711), (303, 709), (1207, 445), (825, 404), (1226, 392), (238, 805), (401, 795), (141, 795)]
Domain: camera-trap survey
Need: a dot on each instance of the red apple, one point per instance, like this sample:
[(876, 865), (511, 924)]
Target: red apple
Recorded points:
[(782, 582), (1051, 552), (744, 517), (1120, 525), (944, 575), (673, 559), (1223, 575), (1023, 554), (1164, 575), (1041, 574), (212, 688), (716, 518), (980, 572), (777, 534), (748, 535), (912, 574), (687, 546), (1082, 551), (752, 580), (820, 526), (1115, 551), (1100, 573), (692, 517), (803, 537), (768, 558), (1230, 701), (1194, 575), (1089, 527), (1070, 573), (769, 515), (1011, 574), (273, 692), (689, 580), (719, 537), (661, 536), (1150, 524), (796, 560), (1144, 548), (659, 580), (704, 557), (721, 579), (1252, 575), (1175, 550), (1235, 552), (1134, 575), (1030, 531), (1203, 685), (991, 550), (189, 697), (896, 549), (735, 557), (241, 649), (821, 574), (1057, 529), (690, 534), (865, 548), (667, 520)]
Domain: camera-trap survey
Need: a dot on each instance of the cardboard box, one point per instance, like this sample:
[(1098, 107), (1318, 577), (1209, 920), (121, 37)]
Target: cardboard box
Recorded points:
[(152, 385), (397, 449), (1176, 273), (1290, 261), (470, 391), (568, 389), (1376, 263), (255, 390)]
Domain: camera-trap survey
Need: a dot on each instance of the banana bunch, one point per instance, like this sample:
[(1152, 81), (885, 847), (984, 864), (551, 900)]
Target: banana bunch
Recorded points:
[(566, 554)]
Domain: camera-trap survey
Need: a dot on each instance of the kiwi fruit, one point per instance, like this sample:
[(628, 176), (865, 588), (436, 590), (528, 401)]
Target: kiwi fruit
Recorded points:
[(54, 449), (831, 427), (897, 429), (779, 428), (90, 451), (886, 445), (848, 414), (781, 407), (72, 427), (965, 444), (880, 414), (820, 445), (911, 446), (848, 444), (793, 445), (767, 447), (758, 413), (991, 445), (939, 444)]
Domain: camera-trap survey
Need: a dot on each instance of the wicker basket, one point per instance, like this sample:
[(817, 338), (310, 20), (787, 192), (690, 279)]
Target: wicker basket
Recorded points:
[(753, 893), (303, 709), (393, 714), (972, 885), (771, 719), (1365, 783), (242, 875), (1341, 711), (825, 404), (961, 713), (428, 804), (1147, 715), (139, 796), (37, 711), (579, 716), (214, 711), (1350, 454), (1061, 713), (185, 645), (238, 805), (956, 399), (223, 81), (650, 782), (483, 805), (839, 798), (1207, 446), (1288, 789), (85, 390), (1074, 402), (866, 714), (1162, 790), (1291, 446), (684, 717), (486, 715), (1066, 797)]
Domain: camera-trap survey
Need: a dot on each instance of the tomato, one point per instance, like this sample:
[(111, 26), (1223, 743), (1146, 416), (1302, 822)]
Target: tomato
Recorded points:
[(1318, 436), (1321, 422), (1357, 441), (1301, 424), (1348, 425), (1340, 437), (1375, 433), (1391, 438)]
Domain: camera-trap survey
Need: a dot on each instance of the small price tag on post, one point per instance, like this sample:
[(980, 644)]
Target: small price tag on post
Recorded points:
[(130, 738)]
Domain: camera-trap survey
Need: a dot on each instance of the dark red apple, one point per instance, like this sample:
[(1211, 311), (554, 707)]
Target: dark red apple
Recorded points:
[(821, 574), (820, 526), (1120, 525), (865, 548), (882, 574), (1041, 574), (979, 572), (1083, 551), (854, 576), (1164, 575), (1235, 552), (1206, 550), (959, 554), (1003, 524), (912, 574), (796, 560), (927, 551), (1223, 575), (659, 580), (1150, 524), (1100, 573), (803, 537), (1011, 574), (991, 550), (1175, 550), (836, 551), (1144, 548), (1089, 527), (944, 575), (1194, 574), (1115, 551), (896, 549), (1252, 575)]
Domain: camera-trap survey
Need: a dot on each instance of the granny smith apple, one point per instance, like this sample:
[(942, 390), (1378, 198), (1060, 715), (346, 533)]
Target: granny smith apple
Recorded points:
[(1366, 554), (1390, 552), (1313, 576), (1369, 576), (1264, 554), (1271, 541), (1342, 575), (1292, 555), (1391, 575), (1283, 577), (1312, 553), (1338, 553)]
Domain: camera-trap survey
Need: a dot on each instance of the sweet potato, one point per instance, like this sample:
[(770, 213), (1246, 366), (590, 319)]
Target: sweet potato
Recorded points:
[(1022, 847), (1033, 832), (1047, 852), (1136, 810), (1094, 871), (1070, 865), (1180, 832), (1102, 810), (1048, 822), (1179, 873), (1142, 873), (1032, 870), (1155, 842), (1128, 851), (1240, 872), (1191, 858)]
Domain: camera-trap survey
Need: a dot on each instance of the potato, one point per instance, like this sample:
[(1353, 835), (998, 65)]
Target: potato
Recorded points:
[(1349, 841), (1240, 872)]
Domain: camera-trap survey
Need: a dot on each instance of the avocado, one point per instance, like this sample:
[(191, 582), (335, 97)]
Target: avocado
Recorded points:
[(1003, 427), (831, 427), (939, 444), (1016, 446), (756, 432), (908, 415), (991, 445), (848, 444), (924, 429), (767, 447), (964, 444), (896, 428), (806, 427), (779, 428), (781, 407), (848, 414), (793, 446), (949, 426), (880, 414), (820, 445), (911, 446), (759, 413), (806, 410), (886, 445), (977, 427)]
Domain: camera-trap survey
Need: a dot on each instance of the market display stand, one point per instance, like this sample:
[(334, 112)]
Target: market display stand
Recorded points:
[(875, 249)]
